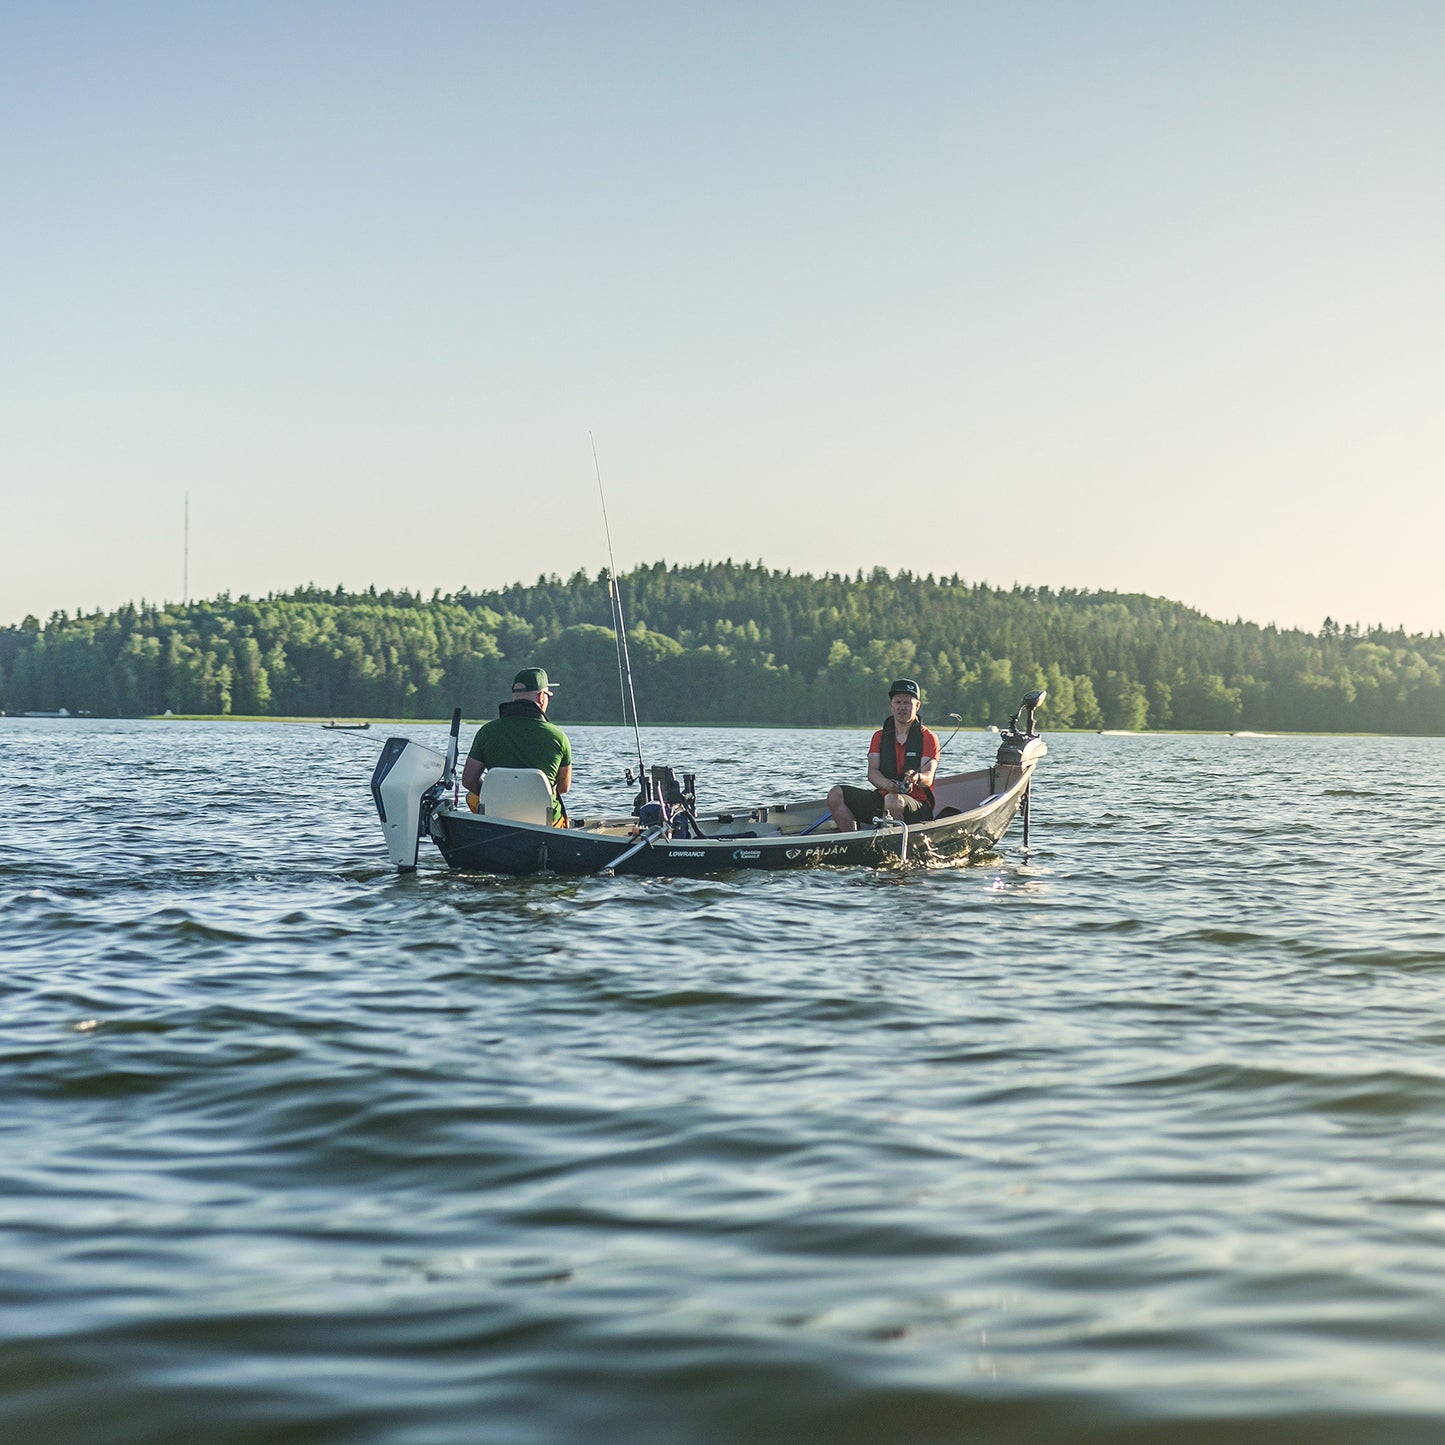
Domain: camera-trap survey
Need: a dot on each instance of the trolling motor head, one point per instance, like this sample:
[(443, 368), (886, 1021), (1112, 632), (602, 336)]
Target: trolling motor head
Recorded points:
[(1015, 744), (1030, 704)]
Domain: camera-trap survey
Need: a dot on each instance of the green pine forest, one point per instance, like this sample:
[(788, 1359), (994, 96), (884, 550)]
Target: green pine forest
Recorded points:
[(729, 643)]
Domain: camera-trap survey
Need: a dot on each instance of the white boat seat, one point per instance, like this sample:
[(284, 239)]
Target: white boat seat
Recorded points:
[(522, 795)]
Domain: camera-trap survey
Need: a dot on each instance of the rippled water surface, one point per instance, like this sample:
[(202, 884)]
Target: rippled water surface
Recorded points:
[(1139, 1139)]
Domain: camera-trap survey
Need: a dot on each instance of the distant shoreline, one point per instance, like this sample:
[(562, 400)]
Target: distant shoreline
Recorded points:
[(376, 723)]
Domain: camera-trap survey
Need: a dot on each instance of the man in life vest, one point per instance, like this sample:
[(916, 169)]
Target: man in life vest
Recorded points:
[(521, 737), (902, 759)]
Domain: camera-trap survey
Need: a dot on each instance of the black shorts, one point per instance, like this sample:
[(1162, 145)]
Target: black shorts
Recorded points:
[(866, 804)]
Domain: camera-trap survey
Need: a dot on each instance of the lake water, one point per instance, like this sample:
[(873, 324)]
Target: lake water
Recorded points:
[(1139, 1139)]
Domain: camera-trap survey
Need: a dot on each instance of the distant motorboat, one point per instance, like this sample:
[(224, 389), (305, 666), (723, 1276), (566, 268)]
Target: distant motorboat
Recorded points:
[(336, 727), (1253, 735)]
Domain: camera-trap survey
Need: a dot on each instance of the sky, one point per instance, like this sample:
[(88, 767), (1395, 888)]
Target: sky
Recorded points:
[(1119, 296)]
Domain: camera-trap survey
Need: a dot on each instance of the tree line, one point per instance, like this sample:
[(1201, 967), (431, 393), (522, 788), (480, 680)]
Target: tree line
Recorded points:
[(729, 643)]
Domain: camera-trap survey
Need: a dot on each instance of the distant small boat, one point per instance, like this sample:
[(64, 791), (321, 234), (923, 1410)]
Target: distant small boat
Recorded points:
[(1253, 735), (336, 727), (1118, 733)]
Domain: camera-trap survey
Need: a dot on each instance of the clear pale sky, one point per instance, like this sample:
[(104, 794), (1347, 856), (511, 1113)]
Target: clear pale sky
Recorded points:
[(1145, 297)]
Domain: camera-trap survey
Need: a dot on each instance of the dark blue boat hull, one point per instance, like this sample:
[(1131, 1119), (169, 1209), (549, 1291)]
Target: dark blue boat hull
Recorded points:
[(476, 844)]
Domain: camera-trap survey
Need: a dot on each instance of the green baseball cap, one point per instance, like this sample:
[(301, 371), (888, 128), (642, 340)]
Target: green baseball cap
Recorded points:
[(533, 679)]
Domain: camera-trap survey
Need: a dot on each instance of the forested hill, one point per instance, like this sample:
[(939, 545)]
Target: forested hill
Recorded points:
[(729, 643)]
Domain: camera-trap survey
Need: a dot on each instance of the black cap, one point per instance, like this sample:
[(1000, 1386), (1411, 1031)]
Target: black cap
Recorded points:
[(905, 684)]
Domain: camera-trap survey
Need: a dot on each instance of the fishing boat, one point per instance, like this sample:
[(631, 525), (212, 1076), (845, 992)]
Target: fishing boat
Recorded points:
[(336, 727), (416, 795)]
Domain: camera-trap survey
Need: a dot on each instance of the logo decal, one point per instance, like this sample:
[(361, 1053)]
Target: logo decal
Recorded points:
[(740, 853)]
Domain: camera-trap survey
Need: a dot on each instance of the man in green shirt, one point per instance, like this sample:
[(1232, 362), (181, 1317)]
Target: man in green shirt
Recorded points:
[(521, 737)]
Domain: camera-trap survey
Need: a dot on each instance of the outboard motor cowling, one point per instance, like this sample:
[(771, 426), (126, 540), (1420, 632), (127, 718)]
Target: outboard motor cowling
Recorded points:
[(405, 773)]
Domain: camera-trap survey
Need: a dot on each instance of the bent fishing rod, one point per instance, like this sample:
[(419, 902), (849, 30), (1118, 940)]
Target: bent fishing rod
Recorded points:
[(614, 592), (953, 717)]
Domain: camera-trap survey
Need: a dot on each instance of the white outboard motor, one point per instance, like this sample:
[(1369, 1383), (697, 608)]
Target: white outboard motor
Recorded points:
[(405, 773)]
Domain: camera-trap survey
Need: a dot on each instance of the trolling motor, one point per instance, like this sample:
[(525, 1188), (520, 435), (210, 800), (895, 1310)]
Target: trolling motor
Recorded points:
[(1020, 746)]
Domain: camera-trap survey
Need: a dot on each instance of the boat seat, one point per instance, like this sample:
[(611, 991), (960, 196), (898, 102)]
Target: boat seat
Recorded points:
[(522, 795)]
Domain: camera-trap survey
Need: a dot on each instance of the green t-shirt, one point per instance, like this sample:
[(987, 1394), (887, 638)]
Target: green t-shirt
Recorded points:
[(524, 740)]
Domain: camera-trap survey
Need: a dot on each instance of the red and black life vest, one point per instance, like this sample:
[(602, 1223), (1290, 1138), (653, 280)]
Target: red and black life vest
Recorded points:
[(888, 749)]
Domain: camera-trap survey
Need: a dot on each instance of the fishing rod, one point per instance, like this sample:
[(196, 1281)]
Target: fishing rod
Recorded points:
[(953, 717), (614, 592)]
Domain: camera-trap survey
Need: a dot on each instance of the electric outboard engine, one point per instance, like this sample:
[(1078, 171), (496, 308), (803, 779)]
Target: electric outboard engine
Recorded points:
[(1018, 746), (405, 775)]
